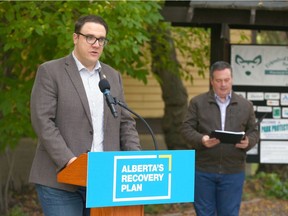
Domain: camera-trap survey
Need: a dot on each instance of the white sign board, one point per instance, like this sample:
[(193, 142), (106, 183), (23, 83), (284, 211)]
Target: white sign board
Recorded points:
[(274, 152), (259, 65)]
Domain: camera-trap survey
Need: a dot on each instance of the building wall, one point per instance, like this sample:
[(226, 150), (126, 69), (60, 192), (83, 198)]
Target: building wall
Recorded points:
[(146, 100)]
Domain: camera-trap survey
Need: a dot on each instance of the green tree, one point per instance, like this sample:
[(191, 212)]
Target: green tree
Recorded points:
[(168, 70), (34, 32)]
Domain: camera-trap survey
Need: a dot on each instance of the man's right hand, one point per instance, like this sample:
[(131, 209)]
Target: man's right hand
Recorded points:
[(71, 161), (209, 142)]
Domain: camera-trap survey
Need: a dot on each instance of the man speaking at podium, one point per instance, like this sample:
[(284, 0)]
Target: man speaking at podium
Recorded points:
[(219, 174), (70, 117)]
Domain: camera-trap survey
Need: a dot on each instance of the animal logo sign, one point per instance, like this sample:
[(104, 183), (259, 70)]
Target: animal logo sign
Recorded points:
[(248, 66), (247, 70), (259, 65)]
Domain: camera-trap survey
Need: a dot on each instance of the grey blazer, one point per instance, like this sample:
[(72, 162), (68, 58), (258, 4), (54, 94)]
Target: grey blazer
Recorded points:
[(61, 118)]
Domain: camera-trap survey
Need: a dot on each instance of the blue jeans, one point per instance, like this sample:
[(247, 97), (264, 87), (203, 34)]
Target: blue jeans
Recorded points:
[(218, 194), (57, 202)]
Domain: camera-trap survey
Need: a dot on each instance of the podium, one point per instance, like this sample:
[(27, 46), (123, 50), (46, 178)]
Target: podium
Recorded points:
[(121, 182), (76, 174)]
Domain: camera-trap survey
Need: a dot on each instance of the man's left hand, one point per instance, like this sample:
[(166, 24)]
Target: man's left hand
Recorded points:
[(243, 144)]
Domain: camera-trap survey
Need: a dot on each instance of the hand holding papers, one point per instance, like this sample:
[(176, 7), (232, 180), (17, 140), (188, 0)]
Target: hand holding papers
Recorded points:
[(228, 136)]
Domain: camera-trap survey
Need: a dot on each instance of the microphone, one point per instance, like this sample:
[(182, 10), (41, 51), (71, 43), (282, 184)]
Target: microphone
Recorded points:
[(105, 89), (111, 101)]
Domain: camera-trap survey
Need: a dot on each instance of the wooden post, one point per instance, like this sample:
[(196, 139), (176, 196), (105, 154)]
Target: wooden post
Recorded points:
[(76, 174)]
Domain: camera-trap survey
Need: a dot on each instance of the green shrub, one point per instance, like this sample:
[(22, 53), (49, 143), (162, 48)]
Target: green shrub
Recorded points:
[(272, 185), (17, 211)]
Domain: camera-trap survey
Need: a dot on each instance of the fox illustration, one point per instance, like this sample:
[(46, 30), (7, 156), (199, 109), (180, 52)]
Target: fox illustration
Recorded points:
[(248, 65)]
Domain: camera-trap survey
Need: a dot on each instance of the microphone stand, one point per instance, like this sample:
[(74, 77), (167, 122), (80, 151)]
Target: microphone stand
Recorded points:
[(142, 119)]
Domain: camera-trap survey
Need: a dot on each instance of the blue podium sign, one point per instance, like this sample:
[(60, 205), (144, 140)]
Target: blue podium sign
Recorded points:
[(140, 177)]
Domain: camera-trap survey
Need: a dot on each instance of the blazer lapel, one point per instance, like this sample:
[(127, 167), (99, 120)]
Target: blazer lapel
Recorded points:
[(73, 73)]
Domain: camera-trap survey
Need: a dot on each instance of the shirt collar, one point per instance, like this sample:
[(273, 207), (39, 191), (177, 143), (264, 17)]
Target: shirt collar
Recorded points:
[(80, 66), (228, 97)]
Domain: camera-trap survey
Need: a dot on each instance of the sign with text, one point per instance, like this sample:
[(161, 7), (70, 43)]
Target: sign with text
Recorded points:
[(259, 65), (140, 177), (274, 129)]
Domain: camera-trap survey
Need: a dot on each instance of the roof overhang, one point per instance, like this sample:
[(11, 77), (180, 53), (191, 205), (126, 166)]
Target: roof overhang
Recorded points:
[(261, 15)]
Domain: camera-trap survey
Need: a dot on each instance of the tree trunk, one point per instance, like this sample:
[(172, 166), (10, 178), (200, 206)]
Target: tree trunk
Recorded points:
[(174, 93)]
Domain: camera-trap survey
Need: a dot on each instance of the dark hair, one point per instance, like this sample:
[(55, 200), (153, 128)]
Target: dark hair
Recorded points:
[(219, 65), (90, 18)]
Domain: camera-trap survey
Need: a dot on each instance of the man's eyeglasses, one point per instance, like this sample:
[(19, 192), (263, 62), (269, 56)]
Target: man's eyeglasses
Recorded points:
[(92, 39)]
